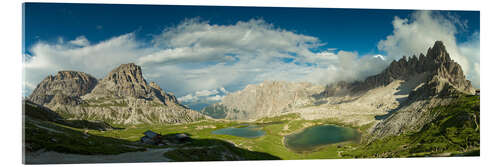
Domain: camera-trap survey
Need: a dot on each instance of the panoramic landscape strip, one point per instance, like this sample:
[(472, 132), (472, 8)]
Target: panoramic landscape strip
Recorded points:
[(196, 84)]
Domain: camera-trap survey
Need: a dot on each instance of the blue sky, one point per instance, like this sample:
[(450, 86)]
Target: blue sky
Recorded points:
[(181, 42), (349, 29)]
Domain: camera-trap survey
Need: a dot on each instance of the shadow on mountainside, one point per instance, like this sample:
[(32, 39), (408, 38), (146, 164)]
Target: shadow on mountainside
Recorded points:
[(403, 89)]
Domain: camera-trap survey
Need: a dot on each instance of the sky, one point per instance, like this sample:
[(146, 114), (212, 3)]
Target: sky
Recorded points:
[(201, 53)]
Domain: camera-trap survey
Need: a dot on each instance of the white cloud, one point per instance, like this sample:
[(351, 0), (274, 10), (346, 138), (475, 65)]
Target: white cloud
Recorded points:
[(215, 98), (415, 35), (206, 92), (188, 98), (80, 41), (471, 50), (204, 96)]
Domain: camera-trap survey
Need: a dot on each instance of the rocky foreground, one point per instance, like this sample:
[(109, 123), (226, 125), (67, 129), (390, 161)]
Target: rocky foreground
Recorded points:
[(122, 97)]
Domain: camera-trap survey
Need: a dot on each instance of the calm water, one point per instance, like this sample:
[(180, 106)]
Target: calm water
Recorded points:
[(316, 136), (250, 131)]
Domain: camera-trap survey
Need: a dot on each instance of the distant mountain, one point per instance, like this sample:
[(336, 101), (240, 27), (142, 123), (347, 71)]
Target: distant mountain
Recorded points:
[(122, 97), (266, 99), (398, 99)]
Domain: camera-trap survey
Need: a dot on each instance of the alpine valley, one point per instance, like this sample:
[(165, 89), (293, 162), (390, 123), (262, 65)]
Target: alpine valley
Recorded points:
[(418, 106)]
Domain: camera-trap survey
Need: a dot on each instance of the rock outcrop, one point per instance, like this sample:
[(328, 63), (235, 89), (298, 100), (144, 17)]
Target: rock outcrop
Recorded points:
[(122, 97)]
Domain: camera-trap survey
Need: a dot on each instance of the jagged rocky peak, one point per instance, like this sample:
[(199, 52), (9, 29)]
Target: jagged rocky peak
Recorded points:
[(127, 81), (127, 73), (64, 85), (436, 65)]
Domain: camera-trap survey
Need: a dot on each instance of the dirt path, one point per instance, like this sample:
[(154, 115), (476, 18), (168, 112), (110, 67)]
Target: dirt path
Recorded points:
[(150, 155)]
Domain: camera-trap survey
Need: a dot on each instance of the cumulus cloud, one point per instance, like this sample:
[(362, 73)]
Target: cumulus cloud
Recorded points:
[(80, 41), (204, 96), (416, 34)]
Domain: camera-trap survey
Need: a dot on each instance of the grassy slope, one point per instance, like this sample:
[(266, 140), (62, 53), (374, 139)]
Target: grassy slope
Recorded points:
[(61, 138), (455, 131), (45, 130)]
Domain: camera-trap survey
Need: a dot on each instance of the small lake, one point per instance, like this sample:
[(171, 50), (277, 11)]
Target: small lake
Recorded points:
[(247, 131), (314, 137)]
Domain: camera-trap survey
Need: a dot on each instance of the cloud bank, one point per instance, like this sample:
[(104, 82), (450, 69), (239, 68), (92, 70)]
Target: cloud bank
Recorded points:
[(196, 60)]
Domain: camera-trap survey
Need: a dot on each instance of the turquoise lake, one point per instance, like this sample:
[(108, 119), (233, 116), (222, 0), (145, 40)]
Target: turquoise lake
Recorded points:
[(314, 137), (251, 131)]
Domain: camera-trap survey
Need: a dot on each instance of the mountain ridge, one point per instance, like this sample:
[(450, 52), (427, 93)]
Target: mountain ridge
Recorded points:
[(123, 97)]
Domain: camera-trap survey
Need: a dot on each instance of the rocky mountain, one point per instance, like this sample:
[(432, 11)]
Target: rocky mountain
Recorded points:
[(64, 87), (122, 97), (437, 70), (397, 100), (269, 98)]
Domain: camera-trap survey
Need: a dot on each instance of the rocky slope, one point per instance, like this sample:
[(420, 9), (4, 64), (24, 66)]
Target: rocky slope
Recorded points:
[(397, 100), (122, 97)]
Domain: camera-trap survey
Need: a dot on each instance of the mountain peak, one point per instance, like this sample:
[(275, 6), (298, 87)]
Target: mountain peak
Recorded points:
[(128, 66), (436, 65), (125, 80), (438, 53), (127, 72), (63, 84)]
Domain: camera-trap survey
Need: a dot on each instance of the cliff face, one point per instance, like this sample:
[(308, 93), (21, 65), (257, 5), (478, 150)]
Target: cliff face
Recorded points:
[(122, 97)]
